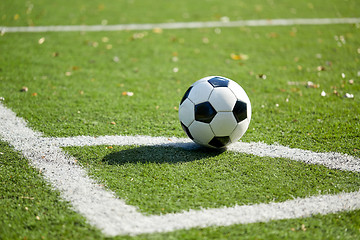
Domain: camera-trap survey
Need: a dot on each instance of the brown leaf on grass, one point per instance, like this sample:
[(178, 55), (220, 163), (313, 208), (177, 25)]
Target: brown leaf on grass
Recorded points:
[(273, 35), (130, 94), (41, 40), (303, 227), (262, 76), (24, 89), (240, 56), (105, 39), (310, 84), (320, 68), (157, 30), (205, 40)]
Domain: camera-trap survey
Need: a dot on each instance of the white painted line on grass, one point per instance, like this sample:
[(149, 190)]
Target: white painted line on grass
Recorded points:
[(331, 160), (114, 217), (182, 25), (99, 206), (226, 216)]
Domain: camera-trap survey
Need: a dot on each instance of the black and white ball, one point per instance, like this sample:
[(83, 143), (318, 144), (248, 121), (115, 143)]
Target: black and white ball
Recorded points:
[(215, 111)]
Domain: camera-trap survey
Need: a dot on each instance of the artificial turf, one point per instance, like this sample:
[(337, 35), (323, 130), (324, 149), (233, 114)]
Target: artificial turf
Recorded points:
[(164, 179), (77, 87), (77, 83), (29, 206), (67, 12), (31, 209)]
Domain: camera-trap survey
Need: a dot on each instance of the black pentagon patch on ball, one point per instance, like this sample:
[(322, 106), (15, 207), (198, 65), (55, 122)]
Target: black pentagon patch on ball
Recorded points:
[(186, 95), (204, 112), (219, 82), (219, 142), (187, 131), (240, 111)]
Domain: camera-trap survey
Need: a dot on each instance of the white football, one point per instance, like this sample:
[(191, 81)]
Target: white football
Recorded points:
[(215, 111)]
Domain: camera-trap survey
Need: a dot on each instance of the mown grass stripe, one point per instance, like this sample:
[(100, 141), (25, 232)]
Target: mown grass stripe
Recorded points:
[(182, 25)]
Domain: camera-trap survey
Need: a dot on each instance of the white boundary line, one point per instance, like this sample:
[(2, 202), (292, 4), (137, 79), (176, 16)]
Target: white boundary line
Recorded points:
[(182, 25), (114, 217), (331, 160)]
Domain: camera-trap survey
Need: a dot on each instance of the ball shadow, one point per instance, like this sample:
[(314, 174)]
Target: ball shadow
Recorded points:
[(170, 153)]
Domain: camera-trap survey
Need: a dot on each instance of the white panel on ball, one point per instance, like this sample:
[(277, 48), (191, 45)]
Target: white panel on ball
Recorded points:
[(186, 112), (202, 80), (200, 92), (201, 132), (238, 90), (223, 124), (239, 130), (222, 99)]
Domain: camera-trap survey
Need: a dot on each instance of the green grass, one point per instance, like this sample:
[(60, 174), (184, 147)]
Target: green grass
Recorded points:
[(75, 83), (30, 208), (345, 225), (164, 179), (25, 196), (87, 101), (42, 12)]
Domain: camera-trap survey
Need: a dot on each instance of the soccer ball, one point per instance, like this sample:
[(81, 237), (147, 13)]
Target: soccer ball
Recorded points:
[(215, 111)]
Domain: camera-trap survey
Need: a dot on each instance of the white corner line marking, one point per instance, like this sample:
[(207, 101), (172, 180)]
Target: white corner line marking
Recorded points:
[(181, 25), (114, 217), (330, 160)]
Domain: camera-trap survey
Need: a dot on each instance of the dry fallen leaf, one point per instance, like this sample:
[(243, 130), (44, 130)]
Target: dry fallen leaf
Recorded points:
[(105, 39), (310, 84), (303, 227), (320, 68), (113, 123), (41, 40), (130, 94), (24, 89), (240, 56), (116, 59), (205, 40), (262, 76), (157, 30), (273, 35)]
